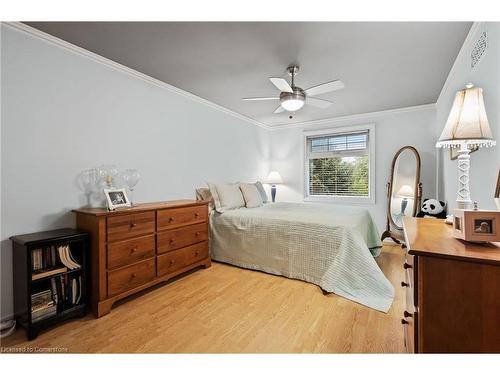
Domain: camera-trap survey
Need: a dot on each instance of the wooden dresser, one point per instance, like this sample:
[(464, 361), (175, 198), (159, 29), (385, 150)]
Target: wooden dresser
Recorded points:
[(138, 247), (452, 291)]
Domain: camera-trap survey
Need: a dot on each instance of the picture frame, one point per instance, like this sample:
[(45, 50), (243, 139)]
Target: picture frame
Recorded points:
[(454, 151), (116, 198)]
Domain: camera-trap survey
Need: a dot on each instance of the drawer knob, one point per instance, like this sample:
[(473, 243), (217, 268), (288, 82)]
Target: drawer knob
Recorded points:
[(404, 321), (196, 214), (406, 266), (133, 276), (133, 225), (407, 314), (197, 252), (197, 234), (403, 284), (171, 219), (133, 250), (172, 261)]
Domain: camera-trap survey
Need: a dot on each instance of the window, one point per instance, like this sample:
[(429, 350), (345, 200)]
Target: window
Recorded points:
[(338, 165)]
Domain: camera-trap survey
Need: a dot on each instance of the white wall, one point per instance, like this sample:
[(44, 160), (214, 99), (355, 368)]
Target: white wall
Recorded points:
[(484, 162), (393, 130), (63, 112)]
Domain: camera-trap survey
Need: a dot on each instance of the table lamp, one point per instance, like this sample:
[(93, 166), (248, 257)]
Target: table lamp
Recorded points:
[(273, 178), (467, 126), (404, 192)]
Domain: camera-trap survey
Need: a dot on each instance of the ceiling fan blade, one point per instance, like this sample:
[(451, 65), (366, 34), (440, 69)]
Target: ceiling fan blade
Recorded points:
[(262, 98), (320, 103), (281, 84), (279, 109), (325, 87)]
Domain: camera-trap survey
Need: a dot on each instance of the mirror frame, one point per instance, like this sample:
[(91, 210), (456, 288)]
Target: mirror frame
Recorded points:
[(394, 231)]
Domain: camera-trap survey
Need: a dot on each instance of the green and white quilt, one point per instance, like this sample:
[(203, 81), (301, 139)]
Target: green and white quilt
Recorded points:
[(328, 245)]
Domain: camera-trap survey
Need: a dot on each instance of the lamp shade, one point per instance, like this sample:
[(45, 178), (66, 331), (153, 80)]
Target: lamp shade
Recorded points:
[(274, 178), (405, 191), (467, 121)]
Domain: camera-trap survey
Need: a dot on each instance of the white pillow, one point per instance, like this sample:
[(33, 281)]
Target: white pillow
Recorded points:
[(262, 192), (226, 196), (251, 195)]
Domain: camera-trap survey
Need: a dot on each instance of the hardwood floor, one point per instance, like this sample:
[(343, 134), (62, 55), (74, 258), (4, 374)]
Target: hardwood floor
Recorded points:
[(225, 309)]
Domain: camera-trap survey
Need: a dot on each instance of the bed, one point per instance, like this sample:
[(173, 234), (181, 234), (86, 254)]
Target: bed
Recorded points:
[(328, 245)]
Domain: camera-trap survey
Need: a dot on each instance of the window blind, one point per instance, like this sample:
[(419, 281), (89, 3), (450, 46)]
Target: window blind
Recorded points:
[(338, 164)]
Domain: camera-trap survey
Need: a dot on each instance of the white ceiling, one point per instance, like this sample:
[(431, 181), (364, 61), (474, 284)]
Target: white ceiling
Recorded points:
[(383, 65)]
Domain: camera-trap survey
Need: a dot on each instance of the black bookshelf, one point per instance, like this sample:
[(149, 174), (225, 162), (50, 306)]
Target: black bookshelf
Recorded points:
[(28, 282)]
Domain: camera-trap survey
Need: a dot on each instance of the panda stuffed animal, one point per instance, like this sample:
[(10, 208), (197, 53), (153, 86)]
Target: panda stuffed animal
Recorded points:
[(433, 208)]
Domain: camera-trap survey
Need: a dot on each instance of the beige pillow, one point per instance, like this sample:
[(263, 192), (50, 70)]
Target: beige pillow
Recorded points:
[(251, 195), (204, 194), (226, 196)]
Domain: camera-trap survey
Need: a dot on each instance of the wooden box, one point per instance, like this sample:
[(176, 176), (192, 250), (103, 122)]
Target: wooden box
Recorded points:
[(476, 225)]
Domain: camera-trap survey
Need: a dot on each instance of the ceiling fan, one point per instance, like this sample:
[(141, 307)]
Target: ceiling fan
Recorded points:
[(292, 98)]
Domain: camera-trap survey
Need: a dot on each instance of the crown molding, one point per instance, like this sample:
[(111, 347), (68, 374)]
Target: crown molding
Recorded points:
[(21, 27), (466, 46), (359, 116)]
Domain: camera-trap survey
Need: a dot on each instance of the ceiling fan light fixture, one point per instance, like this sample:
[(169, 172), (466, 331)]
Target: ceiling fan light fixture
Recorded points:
[(292, 105), (293, 101)]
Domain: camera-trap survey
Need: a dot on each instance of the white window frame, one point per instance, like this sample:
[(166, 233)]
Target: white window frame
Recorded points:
[(370, 199)]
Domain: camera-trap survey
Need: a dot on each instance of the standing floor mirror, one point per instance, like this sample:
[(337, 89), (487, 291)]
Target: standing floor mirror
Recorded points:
[(404, 192)]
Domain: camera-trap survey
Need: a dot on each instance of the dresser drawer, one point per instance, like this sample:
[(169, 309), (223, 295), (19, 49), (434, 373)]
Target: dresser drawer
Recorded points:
[(131, 225), (410, 332), (181, 237), (176, 217), (129, 277), (130, 251), (180, 258), (409, 292), (410, 267)]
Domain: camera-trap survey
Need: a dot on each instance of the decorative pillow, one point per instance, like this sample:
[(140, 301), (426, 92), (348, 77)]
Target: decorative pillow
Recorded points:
[(251, 195), (262, 192), (226, 196), (204, 194)]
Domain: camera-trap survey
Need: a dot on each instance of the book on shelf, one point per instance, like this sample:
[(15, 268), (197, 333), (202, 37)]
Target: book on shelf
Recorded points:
[(65, 292), (52, 260), (69, 289), (44, 313), (45, 257), (53, 288), (41, 297), (42, 305), (66, 257)]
